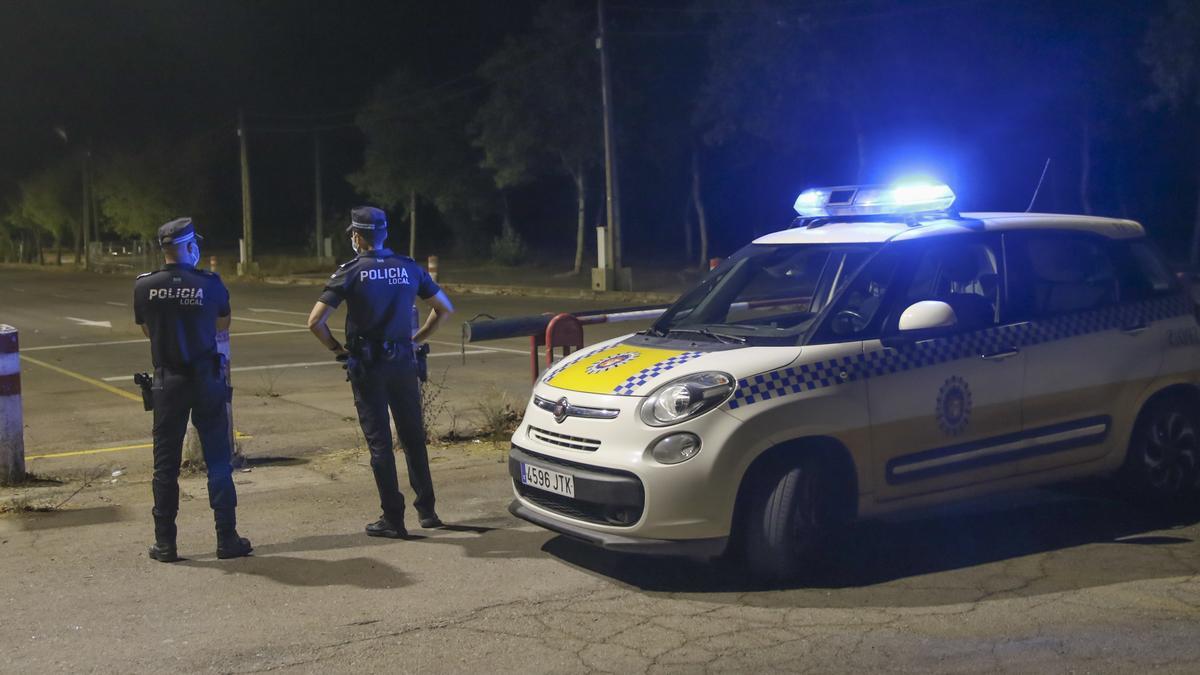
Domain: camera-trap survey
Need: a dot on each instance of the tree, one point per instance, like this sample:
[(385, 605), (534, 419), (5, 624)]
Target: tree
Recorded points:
[(49, 204), (759, 83), (139, 191), (1171, 51), (542, 115), (418, 148)]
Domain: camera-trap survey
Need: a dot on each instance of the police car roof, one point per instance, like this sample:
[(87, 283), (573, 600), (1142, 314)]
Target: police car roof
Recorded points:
[(859, 231)]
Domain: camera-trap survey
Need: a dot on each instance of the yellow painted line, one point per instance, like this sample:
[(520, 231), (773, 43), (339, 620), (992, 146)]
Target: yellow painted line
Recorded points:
[(84, 378), (97, 451)]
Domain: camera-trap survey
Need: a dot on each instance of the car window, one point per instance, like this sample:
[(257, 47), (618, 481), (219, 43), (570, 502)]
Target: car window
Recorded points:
[(1144, 274), (860, 309), (1055, 273), (962, 274)]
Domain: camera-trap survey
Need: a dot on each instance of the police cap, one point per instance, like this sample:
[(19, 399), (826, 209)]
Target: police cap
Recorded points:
[(178, 231), (367, 219)]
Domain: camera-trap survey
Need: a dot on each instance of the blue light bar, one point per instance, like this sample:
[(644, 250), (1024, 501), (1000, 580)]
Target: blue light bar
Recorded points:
[(869, 200)]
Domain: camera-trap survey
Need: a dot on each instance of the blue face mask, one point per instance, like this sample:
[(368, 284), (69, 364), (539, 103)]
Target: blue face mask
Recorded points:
[(354, 245), (192, 255)]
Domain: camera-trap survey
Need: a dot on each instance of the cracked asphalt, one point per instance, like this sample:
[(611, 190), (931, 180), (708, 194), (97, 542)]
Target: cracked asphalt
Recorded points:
[(1039, 582), (1063, 581)]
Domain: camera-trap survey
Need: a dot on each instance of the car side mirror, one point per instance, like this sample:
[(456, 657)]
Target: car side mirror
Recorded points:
[(920, 321)]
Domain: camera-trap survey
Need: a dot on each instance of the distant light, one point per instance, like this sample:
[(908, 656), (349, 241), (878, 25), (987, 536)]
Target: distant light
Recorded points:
[(866, 200)]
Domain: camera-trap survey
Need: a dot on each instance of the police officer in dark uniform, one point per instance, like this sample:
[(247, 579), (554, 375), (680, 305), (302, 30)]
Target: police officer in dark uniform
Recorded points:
[(181, 309), (379, 288)]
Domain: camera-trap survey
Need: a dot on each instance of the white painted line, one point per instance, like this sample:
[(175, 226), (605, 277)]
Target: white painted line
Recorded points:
[(115, 304), (273, 323), (277, 311), (85, 322), (141, 340), (276, 366), (436, 342)]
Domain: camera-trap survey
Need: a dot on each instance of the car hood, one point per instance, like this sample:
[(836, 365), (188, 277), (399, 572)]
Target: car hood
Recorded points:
[(629, 366)]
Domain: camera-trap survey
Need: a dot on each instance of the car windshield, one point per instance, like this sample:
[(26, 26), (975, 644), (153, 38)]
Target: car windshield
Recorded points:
[(764, 294)]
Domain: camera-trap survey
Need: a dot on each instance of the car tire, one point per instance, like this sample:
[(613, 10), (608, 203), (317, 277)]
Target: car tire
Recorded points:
[(784, 521), (1162, 465)]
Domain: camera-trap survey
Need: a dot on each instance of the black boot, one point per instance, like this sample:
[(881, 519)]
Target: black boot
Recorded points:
[(229, 544), (163, 549), (385, 527)]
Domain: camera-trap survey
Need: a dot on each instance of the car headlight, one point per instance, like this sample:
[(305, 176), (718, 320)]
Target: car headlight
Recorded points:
[(686, 398)]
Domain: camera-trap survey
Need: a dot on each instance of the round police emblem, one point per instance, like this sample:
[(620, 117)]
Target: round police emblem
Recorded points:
[(954, 406), (610, 362)]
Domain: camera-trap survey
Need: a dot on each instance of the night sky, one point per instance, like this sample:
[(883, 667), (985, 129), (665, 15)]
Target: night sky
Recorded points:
[(977, 92)]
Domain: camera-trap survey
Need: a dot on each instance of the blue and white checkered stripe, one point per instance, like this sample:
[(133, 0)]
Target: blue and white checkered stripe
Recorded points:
[(630, 385), (798, 379)]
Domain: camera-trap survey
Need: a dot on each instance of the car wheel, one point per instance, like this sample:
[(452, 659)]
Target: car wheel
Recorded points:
[(1164, 454), (784, 521)]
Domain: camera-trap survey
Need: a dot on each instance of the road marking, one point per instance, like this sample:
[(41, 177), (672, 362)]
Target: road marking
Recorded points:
[(436, 342), (93, 324), (307, 364), (84, 378), (115, 304), (96, 451), (143, 340), (277, 311)]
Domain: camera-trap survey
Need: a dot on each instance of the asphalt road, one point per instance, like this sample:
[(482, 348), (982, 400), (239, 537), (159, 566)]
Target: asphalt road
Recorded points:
[(1041, 581)]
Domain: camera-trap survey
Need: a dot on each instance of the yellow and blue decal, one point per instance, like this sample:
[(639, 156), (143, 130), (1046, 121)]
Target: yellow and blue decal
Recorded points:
[(617, 369)]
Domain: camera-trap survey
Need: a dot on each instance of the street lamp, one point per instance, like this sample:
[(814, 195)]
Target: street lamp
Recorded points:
[(85, 222)]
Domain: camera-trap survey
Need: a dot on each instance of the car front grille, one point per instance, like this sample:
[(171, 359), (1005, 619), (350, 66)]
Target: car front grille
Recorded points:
[(563, 440)]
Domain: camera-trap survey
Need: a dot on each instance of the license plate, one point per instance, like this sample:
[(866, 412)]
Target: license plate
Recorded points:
[(550, 481)]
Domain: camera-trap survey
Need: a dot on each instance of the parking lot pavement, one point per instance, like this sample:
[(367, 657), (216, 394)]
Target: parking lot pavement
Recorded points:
[(1035, 582)]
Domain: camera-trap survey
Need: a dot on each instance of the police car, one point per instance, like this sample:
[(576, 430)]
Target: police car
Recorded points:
[(884, 352)]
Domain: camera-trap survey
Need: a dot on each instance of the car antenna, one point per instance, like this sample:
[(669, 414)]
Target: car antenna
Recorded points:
[(1038, 189)]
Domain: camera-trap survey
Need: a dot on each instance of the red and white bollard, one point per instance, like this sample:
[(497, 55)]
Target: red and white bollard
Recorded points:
[(432, 267), (12, 423), (212, 263)]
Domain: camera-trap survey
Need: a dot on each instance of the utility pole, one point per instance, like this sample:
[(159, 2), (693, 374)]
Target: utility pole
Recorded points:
[(86, 222), (612, 187), (318, 208), (247, 224), (412, 224)]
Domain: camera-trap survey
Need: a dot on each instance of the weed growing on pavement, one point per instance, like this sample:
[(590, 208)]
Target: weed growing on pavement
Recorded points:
[(267, 378), (434, 405), (497, 417)]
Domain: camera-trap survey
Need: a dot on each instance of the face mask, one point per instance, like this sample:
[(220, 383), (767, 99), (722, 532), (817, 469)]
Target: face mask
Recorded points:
[(191, 256), (354, 245)]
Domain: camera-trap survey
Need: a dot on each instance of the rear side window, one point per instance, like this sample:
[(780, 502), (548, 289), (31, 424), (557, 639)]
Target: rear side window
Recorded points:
[(1058, 273), (1144, 274)]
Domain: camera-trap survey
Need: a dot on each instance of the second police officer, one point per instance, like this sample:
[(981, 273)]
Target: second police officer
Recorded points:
[(380, 288), (181, 309)]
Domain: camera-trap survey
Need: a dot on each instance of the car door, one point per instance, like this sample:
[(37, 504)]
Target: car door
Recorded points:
[(944, 408), (1092, 344)]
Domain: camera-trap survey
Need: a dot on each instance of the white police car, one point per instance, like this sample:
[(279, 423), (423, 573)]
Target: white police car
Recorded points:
[(884, 352)]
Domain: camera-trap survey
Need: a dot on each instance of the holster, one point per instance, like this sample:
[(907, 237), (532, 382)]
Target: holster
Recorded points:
[(145, 382), (423, 362)]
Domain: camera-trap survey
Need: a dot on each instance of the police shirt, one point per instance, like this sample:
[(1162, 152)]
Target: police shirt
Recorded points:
[(380, 288), (179, 304)]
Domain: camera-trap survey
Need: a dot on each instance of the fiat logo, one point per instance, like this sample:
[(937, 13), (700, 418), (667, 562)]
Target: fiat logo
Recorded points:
[(560, 410)]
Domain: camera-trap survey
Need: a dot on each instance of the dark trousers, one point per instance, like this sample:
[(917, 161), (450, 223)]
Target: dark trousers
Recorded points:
[(378, 387), (201, 393)]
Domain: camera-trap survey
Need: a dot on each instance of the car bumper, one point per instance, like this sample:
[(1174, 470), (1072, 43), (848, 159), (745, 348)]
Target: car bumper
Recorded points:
[(615, 542)]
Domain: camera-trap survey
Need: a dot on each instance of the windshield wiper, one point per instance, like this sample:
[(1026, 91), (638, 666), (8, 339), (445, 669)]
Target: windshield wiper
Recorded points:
[(719, 337), (652, 331)]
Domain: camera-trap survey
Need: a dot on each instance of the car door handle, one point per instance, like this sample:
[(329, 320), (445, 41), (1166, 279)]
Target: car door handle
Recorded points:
[(1000, 355)]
